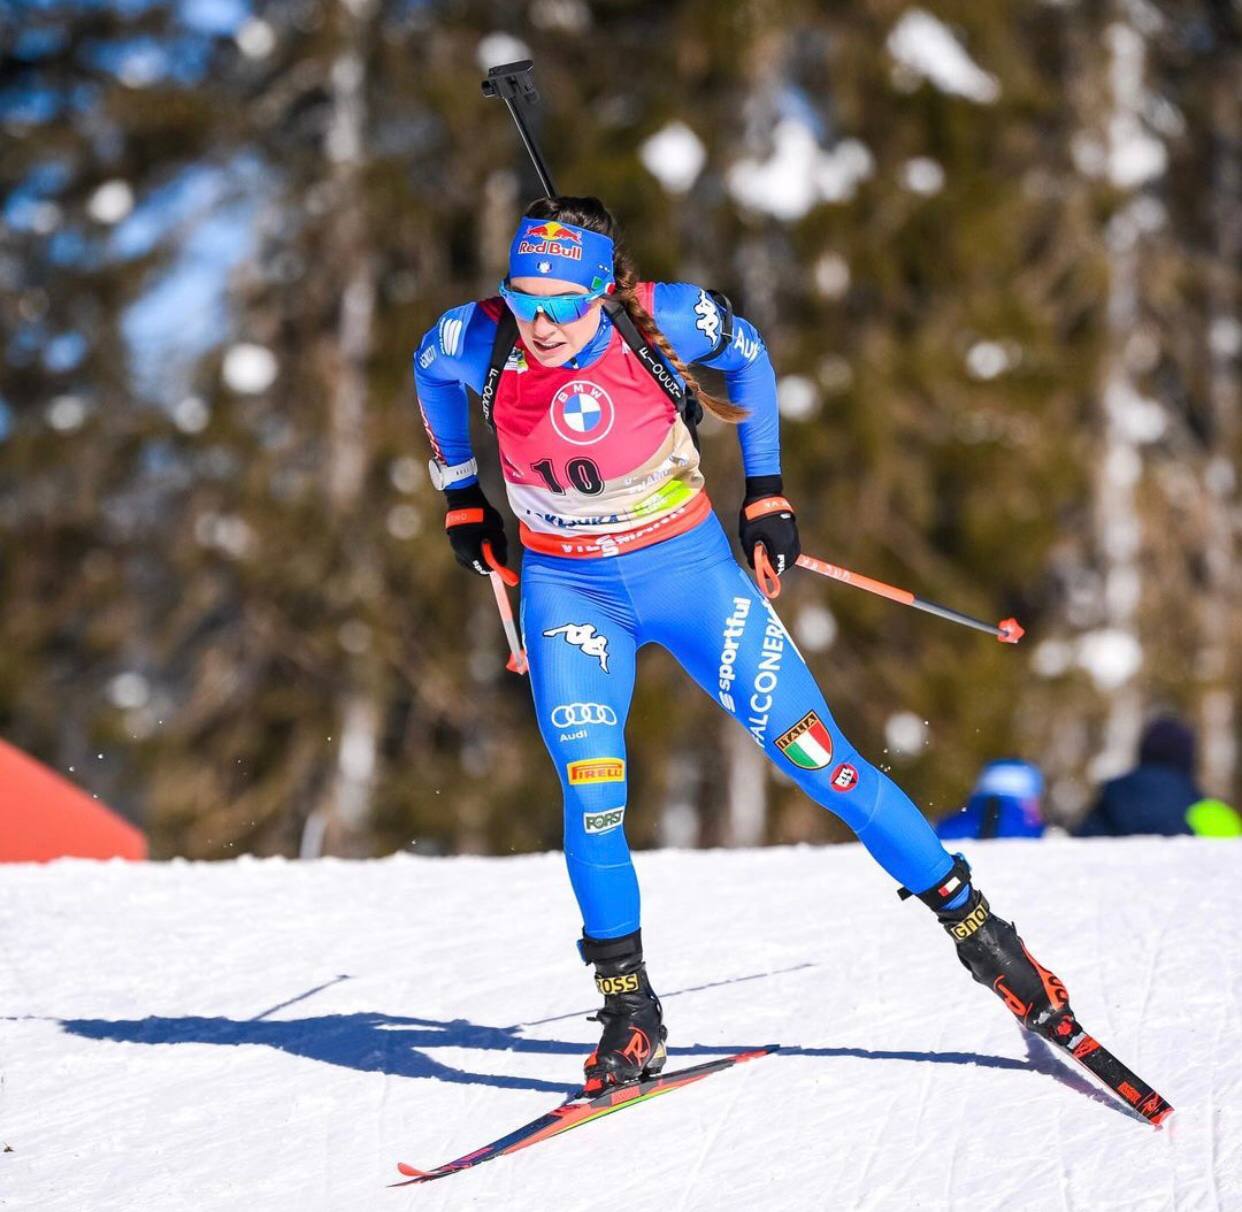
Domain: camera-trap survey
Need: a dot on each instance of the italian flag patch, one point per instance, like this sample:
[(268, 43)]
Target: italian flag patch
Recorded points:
[(807, 744)]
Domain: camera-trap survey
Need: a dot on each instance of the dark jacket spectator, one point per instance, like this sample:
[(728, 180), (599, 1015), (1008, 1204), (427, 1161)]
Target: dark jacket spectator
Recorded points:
[(1155, 795)]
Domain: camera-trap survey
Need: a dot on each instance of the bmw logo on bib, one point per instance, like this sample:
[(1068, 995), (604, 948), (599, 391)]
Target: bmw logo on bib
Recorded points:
[(582, 413)]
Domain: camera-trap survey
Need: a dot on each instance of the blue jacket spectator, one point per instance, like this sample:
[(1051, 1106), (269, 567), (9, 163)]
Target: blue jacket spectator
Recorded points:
[(1156, 795), (1004, 803)]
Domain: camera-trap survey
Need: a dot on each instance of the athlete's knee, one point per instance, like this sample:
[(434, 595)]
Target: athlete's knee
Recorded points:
[(594, 814)]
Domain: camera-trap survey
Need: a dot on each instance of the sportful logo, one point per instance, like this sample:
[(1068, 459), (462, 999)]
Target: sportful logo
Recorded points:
[(584, 636), (734, 629), (570, 715), (708, 322), (807, 744), (450, 335)]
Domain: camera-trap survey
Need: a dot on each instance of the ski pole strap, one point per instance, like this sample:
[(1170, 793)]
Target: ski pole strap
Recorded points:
[(765, 574), (601, 950), (503, 571), (502, 347), (462, 517), (938, 897)]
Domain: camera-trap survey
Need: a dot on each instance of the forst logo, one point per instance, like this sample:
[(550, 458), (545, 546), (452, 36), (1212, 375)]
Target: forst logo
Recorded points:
[(603, 822)]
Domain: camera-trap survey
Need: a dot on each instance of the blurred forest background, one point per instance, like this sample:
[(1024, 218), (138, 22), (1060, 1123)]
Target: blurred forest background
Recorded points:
[(995, 253)]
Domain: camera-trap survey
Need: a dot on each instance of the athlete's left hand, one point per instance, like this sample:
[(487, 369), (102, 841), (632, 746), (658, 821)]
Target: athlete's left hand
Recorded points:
[(769, 519)]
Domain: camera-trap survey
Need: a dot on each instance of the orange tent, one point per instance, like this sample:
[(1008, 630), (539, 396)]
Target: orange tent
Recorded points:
[(43, 816)]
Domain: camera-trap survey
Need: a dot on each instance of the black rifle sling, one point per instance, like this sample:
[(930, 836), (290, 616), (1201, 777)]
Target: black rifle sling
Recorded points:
[(502, 347), (686, 402)]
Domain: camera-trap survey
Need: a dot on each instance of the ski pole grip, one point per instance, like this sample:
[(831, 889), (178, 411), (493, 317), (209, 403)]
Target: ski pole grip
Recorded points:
[(505, 573), (765, 574)]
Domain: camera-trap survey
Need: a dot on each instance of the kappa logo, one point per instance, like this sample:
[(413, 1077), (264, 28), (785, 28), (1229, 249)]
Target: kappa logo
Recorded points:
[(597, 770), (570, 715), (584, 636), (708, 322), (844, 778), (603, 822)]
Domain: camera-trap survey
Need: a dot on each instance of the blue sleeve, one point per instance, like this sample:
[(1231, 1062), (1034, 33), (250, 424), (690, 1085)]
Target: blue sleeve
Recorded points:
[(452, 356), (694, 324)]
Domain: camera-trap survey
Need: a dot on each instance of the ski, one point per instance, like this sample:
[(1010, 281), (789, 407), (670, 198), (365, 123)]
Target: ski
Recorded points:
[(1069, 1037), (580, 1110)]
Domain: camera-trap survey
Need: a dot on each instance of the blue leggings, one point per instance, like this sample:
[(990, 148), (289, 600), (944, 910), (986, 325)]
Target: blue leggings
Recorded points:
[(584, 621)]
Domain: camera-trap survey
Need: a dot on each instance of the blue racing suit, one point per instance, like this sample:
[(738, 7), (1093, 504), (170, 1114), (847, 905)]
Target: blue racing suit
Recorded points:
[(584, 620)]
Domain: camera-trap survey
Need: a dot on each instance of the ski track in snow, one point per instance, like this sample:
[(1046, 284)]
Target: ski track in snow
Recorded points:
[(277, 1035)]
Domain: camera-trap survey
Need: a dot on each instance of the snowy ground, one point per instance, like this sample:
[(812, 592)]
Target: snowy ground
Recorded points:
[(271, 1035)]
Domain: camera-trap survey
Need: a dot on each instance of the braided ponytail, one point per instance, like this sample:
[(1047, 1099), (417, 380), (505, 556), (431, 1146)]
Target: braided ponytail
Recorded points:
[(591, 213)]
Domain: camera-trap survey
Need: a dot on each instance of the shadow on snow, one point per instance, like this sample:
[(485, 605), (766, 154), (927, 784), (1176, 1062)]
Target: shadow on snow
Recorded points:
[(400, 1046)]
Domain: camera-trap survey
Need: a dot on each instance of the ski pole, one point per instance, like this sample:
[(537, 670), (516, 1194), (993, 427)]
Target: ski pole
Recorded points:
[(512, 83), (1007, 631), (500, 576)]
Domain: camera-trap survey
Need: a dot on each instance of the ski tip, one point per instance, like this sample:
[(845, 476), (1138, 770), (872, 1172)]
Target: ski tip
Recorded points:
[(1160, 1116), (409, 1171)]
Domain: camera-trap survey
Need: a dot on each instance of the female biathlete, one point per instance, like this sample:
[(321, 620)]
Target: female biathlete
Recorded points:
[(582, 370)]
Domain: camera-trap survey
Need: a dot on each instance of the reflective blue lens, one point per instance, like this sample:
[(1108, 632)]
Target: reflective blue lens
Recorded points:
[(560, 309)]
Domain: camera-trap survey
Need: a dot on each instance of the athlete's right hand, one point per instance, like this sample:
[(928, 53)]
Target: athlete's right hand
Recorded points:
[(471, 521)]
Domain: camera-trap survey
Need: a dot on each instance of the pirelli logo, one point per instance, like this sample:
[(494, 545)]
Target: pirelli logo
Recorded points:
[(970, 923), (597, 770), (627, 983)]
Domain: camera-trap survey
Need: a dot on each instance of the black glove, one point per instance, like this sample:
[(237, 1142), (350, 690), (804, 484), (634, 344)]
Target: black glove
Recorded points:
[(471, 522), (768, 518)]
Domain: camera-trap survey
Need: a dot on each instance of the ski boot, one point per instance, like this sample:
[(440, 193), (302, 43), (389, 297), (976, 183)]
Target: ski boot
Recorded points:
[(632, 1043), (992, 952)]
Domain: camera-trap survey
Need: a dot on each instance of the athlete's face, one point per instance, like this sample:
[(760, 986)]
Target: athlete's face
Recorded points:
[(554, 344)]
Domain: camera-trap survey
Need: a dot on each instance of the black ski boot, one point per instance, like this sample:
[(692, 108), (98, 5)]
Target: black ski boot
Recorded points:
[(632, 1043), (992, 952)]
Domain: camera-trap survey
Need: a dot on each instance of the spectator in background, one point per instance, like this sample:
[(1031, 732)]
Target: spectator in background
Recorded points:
[(1160, 794), (1004, 803)]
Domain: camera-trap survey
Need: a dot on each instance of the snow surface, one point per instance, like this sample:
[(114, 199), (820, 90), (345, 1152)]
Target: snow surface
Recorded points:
[(276, 1035)]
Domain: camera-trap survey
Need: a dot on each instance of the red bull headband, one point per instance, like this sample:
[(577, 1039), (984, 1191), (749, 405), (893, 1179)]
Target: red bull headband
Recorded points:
[(544, 248)]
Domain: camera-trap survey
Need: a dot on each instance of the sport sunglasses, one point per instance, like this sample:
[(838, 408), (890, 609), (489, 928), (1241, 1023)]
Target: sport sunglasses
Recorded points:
[(560, 309)]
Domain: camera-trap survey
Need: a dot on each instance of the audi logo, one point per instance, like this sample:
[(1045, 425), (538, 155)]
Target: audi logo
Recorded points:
[(569, 714)]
